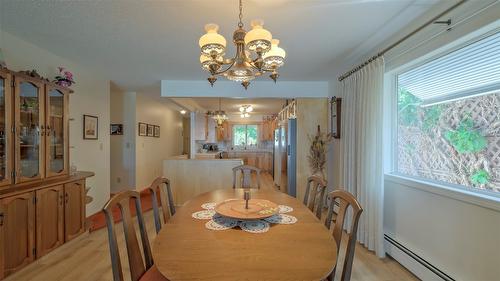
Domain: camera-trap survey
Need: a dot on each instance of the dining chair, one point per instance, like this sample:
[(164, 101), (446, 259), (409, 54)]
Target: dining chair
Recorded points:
[(166, 199), (345, 199), (315, 194), (246, 176), (140, 269)]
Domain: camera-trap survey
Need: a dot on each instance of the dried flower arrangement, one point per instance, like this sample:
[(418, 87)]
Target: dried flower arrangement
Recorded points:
[(65, 78), (317, 152)]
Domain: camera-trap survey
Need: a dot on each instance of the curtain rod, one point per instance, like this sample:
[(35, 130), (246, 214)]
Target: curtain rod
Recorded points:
[(390, 47)]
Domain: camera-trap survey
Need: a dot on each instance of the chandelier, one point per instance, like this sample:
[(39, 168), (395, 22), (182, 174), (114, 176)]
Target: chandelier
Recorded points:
[(256, 53), (245, 111), (219, 115)]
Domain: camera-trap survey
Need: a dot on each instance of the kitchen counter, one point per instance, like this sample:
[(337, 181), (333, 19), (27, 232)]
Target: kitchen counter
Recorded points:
[(260, 158), (208, 155)]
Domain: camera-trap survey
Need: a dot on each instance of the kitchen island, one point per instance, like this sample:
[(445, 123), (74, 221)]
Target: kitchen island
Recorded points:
[(191, 177)]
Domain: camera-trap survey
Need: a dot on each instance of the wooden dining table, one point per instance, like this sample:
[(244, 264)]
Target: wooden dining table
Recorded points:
[(185, 250)]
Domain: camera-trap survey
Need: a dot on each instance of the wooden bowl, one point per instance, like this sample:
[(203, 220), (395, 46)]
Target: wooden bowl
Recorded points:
[(257, 209)]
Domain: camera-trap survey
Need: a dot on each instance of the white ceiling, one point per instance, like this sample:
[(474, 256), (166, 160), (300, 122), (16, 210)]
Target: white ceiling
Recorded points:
[(138, 43)]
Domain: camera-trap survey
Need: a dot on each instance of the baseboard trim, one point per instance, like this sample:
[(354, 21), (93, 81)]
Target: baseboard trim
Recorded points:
[(413, 262)]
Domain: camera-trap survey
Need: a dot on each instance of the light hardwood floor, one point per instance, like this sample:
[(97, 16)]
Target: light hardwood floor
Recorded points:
[(87, 259)]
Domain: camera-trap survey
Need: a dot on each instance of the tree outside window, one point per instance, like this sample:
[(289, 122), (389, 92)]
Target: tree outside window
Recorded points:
[(245, 136)]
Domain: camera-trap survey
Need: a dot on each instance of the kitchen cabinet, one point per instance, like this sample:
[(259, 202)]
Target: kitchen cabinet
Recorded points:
[(200, 126), (268, 127), (211, 130), (74, 209), (6, 159), (260, 159), (49, 219), (224, 132)]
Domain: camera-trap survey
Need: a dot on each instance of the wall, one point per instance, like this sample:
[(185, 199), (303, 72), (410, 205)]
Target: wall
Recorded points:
[(310, 114), (457, 234), (150, 151), (122, 110), (91, 97)]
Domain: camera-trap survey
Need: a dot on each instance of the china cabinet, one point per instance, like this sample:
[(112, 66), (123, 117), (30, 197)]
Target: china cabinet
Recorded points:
[(41, 205)]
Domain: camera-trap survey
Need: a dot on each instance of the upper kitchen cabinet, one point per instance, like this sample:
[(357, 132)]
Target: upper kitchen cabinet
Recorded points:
[(211, 130), (5, 128), (200, 126), (29, 105)]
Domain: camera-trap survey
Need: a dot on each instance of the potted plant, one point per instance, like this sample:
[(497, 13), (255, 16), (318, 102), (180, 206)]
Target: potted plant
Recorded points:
[(65, 78), (317, 152)]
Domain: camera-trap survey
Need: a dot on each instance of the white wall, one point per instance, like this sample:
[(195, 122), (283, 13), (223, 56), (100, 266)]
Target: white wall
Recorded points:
[(91, 97), (458, 236), (122, 110), (150, 151)]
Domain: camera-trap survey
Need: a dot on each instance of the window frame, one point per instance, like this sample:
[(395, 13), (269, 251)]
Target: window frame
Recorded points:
[(482, 198), (246, 146)]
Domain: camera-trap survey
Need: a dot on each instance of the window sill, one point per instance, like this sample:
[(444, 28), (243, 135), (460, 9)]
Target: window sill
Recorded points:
[(479, 199)]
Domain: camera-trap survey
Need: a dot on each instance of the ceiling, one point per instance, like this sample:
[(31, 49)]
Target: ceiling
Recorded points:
[(232, 105), (138, 43)]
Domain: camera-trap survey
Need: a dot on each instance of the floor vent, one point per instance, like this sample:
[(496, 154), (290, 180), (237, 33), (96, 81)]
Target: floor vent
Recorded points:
[(422, 262)]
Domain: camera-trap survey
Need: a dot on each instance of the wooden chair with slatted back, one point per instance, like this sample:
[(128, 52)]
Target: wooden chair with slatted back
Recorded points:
[(345, 199), (246, 176), (140, 269), (315, 194), (166, 199)]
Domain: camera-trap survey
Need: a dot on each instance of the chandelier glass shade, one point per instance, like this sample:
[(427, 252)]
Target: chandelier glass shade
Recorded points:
[(219, 115), (245, 111), (256, 53)]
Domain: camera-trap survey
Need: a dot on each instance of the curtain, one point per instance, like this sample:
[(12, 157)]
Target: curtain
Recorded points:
[(361, 149)]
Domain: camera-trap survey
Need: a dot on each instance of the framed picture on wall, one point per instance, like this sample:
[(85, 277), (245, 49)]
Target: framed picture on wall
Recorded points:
[(116, 129), (150, 130), (157, 131), (143, 129), (335, 111), (90, 127)]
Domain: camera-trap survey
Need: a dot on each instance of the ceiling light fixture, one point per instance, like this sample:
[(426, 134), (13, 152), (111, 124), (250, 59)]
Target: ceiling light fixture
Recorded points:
[(219, 115), (183, 112), (245, 111), (242, 68)]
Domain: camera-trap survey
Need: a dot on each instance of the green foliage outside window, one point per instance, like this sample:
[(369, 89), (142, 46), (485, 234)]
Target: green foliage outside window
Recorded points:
[(480, 177), (465, 139), (408, 108), (245, 135)]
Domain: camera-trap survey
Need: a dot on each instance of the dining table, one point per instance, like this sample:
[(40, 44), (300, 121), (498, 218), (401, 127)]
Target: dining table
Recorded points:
[(184, 249)]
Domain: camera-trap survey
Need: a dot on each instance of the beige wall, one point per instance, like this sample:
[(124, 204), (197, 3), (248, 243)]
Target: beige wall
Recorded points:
[(122, 147), (91, 97), (310, 113), (150, 151)]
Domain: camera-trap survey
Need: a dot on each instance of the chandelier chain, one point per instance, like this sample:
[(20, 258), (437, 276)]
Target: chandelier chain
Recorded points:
[(240, 23)]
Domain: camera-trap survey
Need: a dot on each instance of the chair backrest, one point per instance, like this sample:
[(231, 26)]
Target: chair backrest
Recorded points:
[(246, 176), (345, 199), (137, 266), (166, 199), (315, 194)]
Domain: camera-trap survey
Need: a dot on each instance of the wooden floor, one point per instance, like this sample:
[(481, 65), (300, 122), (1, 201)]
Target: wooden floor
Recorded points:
[(87, 259)]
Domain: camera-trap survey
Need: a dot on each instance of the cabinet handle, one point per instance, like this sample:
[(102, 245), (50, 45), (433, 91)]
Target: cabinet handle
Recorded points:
[(1, 219), (66, 198), (77, 183), (60, 199)]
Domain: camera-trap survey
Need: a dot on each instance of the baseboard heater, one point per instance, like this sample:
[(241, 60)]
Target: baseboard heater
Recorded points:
[(422, 268)]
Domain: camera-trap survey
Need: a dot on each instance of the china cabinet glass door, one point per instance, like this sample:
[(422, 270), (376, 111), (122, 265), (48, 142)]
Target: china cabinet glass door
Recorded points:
[(55, 133), (5, 128), (29, 127)]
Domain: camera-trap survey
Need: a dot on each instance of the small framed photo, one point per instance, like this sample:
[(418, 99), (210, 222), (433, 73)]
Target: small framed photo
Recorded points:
[(143, 129), (90, 127), (150, 130), (335, 115), (116, 129), (157, 131)]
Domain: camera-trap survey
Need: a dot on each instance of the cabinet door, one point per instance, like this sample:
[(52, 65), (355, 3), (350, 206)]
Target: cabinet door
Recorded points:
[(17, 216), (29, 109), (49, 219), (74, 209), (56, 132), (5, 129), (200, 127), (211, 125)]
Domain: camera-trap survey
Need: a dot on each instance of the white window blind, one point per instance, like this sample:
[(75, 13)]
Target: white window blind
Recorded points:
[(473, 69)]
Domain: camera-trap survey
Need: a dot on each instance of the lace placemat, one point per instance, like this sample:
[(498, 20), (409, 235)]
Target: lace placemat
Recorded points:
[(218, 222)]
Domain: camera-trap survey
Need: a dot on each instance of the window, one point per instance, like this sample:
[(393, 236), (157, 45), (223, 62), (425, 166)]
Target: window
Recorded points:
[(245, 136), (448, 126)]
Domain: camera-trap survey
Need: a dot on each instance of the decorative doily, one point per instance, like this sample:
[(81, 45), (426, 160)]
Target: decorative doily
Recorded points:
[(255, 226), (218, 222), (209, 206), (284, 209), (281, 219), (204, 215)]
